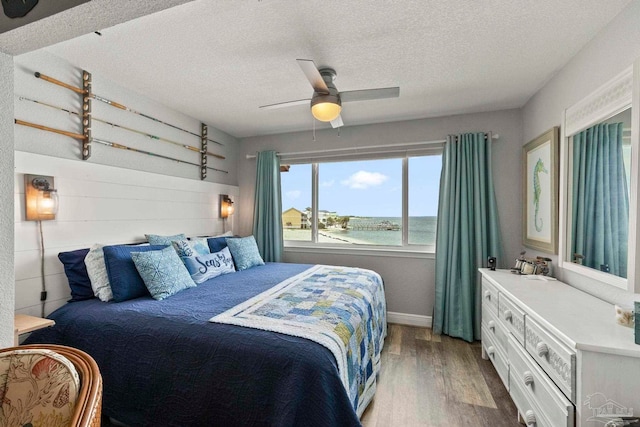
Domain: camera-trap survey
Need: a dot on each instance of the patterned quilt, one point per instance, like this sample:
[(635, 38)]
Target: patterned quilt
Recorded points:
[(342, 308)]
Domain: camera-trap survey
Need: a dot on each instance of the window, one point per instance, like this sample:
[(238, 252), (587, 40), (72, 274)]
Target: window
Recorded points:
[(363, 202), (360, 202), (424, 190), (296, 203)]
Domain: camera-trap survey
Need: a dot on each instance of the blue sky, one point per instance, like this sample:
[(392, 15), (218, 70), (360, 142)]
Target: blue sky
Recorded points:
[(366, 188)]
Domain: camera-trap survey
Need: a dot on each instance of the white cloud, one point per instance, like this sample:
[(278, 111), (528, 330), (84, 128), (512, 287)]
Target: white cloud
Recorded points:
[(327, 183), (293, 194), (362, 180)]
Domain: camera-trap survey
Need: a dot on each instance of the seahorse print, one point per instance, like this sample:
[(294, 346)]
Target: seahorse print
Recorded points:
[(539, 168)]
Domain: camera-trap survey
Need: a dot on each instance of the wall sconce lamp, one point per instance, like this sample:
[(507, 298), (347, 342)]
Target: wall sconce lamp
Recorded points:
[(226, 206), (41, 198)]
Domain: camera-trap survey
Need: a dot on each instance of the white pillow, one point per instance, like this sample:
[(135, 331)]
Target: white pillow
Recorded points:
[(204, 267), (97, 271)]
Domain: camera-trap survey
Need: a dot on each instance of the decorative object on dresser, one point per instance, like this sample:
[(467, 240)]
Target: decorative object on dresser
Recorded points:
[(624, 315), (537, 265), (540, 214), (549, 343)]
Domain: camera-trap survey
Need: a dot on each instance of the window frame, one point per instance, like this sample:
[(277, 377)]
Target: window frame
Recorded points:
[(406, 249)]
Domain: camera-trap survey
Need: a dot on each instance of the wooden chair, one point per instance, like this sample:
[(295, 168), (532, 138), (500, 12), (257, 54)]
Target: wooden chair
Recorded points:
[(88, 406)]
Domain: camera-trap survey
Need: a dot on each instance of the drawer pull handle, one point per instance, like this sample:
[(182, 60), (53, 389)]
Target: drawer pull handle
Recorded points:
[(491, 350), (542, 349), (487, 294), (508, 315), (530, 418), (528, 378), (492, 325)]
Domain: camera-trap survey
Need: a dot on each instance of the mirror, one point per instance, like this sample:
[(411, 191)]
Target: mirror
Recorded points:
[(599, 182), (597, 201)]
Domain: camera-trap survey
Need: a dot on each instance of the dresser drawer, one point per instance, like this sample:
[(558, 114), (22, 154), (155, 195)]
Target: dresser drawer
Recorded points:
[(528, 409), (494, 328), (496, 355), (556, 359), (489, 296), (538, 387), (512, 317)]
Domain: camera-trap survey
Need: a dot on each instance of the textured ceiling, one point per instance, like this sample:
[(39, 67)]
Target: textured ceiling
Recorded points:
[(47, 27), (219, 60)]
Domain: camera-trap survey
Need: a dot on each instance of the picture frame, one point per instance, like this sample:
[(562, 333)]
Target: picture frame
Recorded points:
[(540, 163)]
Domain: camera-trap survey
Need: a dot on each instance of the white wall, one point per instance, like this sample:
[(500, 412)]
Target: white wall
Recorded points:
[(117, 195), (38, 141), (88, 17), (615, 48), (409, 281), (6, 201), (102, 204)]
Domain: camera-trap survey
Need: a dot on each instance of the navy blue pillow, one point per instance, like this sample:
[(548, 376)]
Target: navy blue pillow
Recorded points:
[(216, 244), (124, 278), (76, 272)]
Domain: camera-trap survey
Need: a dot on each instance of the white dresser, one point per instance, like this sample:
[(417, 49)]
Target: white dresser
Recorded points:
[(559, 351)]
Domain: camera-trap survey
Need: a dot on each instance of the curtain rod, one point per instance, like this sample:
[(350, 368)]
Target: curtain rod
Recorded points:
[(397, 147)]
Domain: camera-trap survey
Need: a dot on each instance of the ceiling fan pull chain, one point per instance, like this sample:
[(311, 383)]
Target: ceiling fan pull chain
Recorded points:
[(314, 130)]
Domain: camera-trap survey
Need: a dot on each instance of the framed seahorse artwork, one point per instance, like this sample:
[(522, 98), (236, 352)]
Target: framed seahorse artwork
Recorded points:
[(540, 190)]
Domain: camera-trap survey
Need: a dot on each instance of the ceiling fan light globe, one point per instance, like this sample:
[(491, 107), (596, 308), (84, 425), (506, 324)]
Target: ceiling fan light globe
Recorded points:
[(326, 110)]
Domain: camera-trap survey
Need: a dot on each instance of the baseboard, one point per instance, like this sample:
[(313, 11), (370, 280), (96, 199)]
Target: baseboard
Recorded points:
[(409, 319)]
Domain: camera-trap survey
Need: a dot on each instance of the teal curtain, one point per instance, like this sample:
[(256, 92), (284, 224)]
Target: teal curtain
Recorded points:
[(467, 234), (267, 210), (600, 199)]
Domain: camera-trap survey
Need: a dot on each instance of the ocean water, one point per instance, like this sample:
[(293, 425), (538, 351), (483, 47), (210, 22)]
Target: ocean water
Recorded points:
[(422, 231)]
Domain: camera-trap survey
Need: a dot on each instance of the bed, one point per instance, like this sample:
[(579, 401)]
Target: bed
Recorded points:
[(173, 362)]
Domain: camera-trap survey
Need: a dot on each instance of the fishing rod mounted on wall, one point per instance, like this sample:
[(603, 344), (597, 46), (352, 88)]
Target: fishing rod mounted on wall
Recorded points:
[(86, 137)]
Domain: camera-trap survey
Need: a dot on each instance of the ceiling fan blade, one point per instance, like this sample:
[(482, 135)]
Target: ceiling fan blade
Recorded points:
[(369, 94), (313, 75), (286, 104), (337, 122)]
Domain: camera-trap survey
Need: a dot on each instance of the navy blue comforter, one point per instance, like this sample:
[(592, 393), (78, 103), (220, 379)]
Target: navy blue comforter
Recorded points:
[(164, 364)]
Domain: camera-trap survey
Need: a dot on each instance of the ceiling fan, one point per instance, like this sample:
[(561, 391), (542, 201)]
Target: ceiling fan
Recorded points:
[(326, 102)]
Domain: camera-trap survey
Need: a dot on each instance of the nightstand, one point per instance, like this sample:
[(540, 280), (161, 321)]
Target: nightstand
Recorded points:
[(23, 323)]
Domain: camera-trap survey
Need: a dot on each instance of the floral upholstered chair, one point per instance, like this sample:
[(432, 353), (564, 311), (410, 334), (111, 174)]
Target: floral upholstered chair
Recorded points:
[(49, 386)]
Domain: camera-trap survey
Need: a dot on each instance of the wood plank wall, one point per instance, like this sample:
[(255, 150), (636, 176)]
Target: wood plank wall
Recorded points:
[(102, 204)]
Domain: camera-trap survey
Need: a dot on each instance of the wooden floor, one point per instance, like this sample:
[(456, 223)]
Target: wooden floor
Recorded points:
[(432, 380)]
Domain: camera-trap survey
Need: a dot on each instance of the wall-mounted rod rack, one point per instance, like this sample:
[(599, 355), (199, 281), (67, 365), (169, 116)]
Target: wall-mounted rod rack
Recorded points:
[(86, 115), (114, 104), (75, 113), (124, 147), (111, 144), (48, 129)]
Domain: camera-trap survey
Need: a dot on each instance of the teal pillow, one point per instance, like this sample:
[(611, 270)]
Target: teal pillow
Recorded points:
[(163, 272), (244, 251), (156, 239)]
